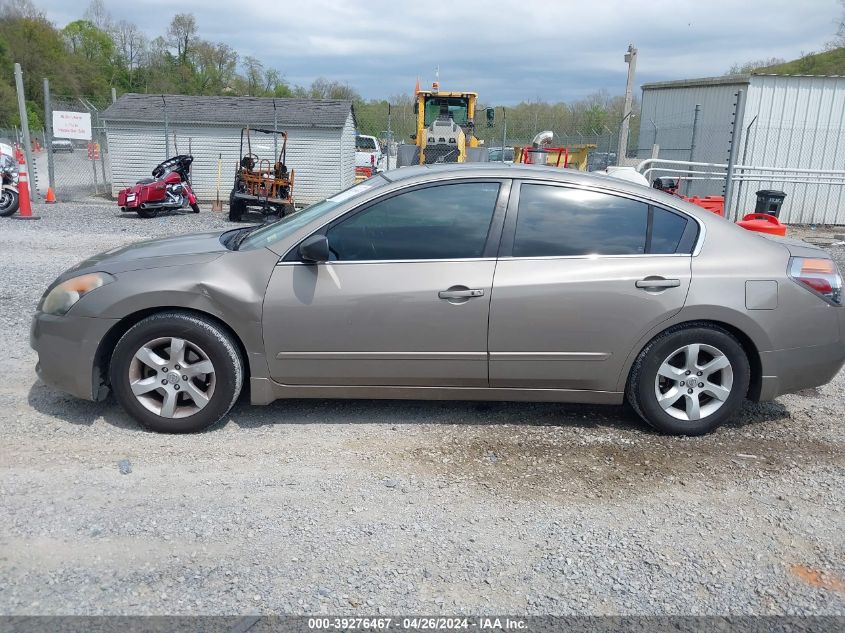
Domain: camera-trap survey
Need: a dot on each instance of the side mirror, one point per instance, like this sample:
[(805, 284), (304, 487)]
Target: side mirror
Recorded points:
[(314, 249), (491, 116)]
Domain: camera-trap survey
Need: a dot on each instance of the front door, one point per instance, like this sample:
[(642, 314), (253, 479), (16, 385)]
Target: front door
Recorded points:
[(404, 300), (583, 276)]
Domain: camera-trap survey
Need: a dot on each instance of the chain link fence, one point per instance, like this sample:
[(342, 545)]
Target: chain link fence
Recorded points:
[(591, 140), (75, 169)]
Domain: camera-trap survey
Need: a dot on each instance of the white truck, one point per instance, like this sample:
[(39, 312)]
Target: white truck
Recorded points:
[(368, 152)]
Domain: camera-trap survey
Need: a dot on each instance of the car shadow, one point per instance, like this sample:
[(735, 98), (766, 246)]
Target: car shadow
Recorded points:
[(55, 404)]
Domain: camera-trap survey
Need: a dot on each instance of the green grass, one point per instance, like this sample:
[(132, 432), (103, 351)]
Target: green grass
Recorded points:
[(830, 62)]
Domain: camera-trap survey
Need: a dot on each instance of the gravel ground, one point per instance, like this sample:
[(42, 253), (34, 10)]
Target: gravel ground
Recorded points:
[(398, 507)]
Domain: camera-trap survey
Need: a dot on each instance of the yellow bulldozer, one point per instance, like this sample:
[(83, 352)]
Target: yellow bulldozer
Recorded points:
[(445, 130)]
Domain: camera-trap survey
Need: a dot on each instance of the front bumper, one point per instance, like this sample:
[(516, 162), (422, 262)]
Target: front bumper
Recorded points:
[(67, 350)]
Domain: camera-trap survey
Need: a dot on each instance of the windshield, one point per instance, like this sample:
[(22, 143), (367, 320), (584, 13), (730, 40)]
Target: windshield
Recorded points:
[(456, 107), (272, 233)]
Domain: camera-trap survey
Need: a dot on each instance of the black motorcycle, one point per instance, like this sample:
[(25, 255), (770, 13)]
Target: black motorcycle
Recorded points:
[(9, 201)]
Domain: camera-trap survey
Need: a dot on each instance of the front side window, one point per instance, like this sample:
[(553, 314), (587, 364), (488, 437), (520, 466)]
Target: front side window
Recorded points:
[(439, 222), (556, 221)]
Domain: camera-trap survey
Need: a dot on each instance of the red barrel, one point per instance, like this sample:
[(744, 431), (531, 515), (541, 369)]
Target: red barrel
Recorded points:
[(763, 223)]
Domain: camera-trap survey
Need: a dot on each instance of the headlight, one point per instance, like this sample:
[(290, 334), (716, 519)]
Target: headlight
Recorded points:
[(61, 298)]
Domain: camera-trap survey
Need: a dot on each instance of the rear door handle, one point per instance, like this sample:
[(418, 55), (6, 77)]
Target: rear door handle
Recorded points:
[(657, 282), (461, 294)]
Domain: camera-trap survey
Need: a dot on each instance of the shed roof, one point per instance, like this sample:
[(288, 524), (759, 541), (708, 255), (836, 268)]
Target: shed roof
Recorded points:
[(704, 81), (728, 80), (134, 107)]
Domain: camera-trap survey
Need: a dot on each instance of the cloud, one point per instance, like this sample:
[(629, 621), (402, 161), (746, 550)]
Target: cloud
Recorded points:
[(506, 51)]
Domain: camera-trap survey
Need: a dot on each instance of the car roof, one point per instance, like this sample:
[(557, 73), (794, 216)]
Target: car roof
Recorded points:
[(427, 173)]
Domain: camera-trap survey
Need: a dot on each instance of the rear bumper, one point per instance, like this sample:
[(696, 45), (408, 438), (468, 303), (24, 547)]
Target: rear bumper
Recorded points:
[(790, 370), (67, 348)]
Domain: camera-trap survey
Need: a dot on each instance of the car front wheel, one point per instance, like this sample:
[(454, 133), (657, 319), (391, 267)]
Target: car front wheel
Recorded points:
[(176, 372), (689, 380)]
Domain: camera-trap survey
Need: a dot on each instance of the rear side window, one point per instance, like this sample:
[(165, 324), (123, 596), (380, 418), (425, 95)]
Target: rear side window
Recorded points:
[(667, 230), (556, 221), (362, 142)]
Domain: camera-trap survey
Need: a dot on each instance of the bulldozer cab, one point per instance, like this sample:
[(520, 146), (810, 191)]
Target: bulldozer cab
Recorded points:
[(445, 126), (456, 108)]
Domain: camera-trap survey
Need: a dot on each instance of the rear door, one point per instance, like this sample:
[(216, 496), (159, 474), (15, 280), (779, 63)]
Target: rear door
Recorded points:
[(582, 276)]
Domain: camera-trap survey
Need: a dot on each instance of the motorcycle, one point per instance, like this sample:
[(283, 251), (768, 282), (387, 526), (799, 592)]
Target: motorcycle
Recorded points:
[(169, 189), (9, 201)]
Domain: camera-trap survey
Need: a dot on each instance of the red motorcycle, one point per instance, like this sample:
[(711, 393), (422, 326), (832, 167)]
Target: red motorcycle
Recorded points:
[(169, 189)]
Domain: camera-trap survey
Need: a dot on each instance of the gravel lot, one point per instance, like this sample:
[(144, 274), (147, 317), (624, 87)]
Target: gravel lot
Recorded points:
[(397, 507)]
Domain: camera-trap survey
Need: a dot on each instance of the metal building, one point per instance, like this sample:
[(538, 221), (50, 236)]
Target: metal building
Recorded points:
[(143, 129), (788, 121)]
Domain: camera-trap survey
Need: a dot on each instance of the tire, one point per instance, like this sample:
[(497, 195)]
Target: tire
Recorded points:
[(237, 208), (9, 203), (192, 399), (146, 213), (659, 390), (195, 208)]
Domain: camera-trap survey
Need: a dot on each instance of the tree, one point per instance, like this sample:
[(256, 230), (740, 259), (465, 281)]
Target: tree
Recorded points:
[(98, 15), (131, 45), (10, 9), (85, 39), (254, 75), (183, 27), (322, 88), (750, 67)]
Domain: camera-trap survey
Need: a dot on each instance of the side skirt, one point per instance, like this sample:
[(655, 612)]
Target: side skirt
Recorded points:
[(265, 391)]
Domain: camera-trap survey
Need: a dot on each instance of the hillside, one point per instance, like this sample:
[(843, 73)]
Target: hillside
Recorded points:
[(830, 62)]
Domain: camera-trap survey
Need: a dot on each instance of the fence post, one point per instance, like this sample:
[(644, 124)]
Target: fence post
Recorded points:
[(736, 139), (27, 146), (166, 138), (744, 156), (48, 135), (504, 132), (692, 143)]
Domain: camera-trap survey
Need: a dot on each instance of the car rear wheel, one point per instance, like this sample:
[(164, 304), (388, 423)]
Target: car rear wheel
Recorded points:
[(689, 380), (176, 372)]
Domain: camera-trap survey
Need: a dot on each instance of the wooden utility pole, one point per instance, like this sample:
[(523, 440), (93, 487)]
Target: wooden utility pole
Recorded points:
[(631, 60)]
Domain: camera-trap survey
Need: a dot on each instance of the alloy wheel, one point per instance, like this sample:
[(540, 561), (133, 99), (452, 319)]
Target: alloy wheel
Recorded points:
[(693, 382), (172, 377)]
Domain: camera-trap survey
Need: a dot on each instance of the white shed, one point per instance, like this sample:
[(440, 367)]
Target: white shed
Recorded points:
[(321, 139), (789, 121)]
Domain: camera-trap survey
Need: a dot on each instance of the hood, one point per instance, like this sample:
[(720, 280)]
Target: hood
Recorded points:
[(180, 250)]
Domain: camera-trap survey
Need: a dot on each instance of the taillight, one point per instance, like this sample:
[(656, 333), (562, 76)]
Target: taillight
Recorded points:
[(819, 275)]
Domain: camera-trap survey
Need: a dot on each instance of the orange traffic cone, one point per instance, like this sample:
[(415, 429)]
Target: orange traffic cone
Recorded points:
[(51, 196), (25, 208)]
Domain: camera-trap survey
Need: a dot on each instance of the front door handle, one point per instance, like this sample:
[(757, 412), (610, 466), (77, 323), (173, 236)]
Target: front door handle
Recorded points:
[(653, 282), (466, 293)]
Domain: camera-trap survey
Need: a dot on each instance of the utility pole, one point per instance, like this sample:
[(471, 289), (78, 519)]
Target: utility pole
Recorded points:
[(631, 60), (27, 146)]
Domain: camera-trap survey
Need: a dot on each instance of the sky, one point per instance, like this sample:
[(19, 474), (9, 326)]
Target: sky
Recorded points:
[(554, 50)]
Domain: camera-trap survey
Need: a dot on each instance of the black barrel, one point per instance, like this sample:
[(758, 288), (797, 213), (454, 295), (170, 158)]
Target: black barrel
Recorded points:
[(769, 201)]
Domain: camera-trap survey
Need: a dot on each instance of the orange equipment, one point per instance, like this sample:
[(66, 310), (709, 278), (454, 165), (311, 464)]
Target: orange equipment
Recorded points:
[(763, 223)]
